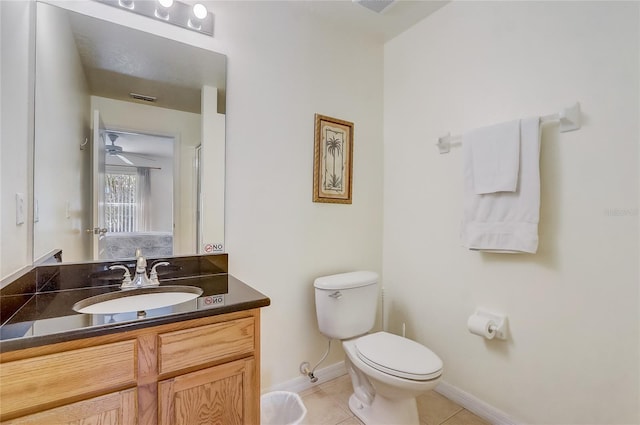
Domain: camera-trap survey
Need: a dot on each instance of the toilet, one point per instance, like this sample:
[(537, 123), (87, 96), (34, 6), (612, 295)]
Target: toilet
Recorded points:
[(387, 371)]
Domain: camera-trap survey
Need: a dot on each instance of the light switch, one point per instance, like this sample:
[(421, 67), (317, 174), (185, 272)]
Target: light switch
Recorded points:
[(19, 208)]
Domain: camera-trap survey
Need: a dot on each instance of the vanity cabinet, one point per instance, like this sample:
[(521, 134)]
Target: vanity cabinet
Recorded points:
[(198, 371)]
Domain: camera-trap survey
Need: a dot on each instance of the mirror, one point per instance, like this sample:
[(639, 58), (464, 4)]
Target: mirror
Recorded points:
[(128, 141)]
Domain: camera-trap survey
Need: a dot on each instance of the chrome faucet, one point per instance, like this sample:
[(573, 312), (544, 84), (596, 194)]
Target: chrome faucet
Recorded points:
[(140, 279)]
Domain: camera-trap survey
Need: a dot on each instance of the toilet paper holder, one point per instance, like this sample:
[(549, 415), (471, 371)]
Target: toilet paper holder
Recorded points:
[(497, 322)]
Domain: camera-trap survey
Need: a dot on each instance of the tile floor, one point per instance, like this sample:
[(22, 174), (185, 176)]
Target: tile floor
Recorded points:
[(327, 404)]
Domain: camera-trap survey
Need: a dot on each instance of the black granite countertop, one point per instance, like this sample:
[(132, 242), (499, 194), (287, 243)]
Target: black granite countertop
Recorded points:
[(46, 316)]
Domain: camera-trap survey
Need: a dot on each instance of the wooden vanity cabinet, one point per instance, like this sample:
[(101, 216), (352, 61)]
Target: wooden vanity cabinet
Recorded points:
[(201, 371)]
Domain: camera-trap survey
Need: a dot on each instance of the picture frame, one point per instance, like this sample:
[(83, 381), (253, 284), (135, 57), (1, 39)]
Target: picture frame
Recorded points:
[(332, 160)]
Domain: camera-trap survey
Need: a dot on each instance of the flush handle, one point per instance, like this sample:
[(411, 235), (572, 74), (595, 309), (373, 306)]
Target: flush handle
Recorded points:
[(336, 295)]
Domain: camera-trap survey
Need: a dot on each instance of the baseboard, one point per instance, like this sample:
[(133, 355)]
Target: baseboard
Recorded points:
[(475, 405), (302, 383)]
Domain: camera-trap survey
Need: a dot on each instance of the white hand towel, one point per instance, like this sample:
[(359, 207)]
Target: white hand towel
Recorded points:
[(495, 157), (506, 221)]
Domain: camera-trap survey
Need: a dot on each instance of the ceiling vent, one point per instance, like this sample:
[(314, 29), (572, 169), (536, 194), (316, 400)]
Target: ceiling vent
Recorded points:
[(142, 97), (378, 6)]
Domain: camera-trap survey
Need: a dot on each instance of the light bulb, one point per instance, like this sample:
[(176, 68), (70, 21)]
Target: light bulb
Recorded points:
[(128, 4), (162, 9), (199, 11)]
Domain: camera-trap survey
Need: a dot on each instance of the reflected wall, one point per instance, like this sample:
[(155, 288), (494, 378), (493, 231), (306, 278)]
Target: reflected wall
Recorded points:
[(16, 125)]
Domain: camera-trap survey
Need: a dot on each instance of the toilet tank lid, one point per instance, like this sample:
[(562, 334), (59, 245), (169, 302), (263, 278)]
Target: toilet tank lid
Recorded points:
[(346, 280)]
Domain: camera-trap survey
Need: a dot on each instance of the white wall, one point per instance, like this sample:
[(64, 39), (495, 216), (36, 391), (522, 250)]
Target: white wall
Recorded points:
[(573, 307), (15, 116), (284, 66), (62, 124)]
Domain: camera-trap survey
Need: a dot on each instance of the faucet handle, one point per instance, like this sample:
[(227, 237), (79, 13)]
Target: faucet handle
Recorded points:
[(153, 276), (126, 281)]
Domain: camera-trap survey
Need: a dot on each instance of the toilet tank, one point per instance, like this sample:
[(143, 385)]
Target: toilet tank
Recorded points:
[(346, 303)]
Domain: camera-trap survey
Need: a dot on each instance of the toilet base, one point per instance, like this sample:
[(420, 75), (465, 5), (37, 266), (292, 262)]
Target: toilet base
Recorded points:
[(384, 411)]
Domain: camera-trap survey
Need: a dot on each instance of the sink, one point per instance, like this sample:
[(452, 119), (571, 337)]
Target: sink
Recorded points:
[(139, 299)]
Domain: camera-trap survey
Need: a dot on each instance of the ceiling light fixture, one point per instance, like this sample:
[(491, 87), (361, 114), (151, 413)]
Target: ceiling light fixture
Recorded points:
[(196, 18)]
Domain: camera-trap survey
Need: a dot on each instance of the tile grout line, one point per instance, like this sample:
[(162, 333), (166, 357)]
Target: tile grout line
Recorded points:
[(452, 415)]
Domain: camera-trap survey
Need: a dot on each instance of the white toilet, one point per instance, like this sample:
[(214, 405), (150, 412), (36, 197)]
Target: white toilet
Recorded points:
[(387, 370)]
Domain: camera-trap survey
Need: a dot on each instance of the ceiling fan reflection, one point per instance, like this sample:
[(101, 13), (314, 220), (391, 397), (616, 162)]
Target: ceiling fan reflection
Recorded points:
[(117, 151)]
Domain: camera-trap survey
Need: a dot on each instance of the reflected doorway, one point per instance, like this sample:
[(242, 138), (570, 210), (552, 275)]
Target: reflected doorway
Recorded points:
[(138, 195)]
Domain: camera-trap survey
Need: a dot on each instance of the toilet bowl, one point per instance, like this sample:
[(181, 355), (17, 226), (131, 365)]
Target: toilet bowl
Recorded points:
[(387, 371)]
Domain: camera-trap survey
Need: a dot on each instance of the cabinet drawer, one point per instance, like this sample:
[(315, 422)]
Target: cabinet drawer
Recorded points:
[(118, 408), (210, 343), (43, 381)]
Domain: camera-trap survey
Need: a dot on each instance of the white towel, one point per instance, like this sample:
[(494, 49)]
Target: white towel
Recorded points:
[(495, 157), (506, 221)]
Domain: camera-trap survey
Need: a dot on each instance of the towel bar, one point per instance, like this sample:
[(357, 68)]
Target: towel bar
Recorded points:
[(569, 120)]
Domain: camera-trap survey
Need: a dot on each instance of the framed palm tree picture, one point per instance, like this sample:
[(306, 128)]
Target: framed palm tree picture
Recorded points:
[(332, 160)]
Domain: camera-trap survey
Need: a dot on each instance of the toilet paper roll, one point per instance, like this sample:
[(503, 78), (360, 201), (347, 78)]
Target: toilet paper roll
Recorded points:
[(483, 326)]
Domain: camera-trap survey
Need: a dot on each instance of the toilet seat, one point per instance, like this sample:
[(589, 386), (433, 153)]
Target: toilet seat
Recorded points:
[(398, 356)]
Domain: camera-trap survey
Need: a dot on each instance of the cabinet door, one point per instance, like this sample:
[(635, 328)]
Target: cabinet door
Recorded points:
[(111, 409), (220, 395)]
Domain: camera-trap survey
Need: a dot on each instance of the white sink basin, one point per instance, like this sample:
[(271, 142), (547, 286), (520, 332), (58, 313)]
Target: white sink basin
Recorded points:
[(140, 299)]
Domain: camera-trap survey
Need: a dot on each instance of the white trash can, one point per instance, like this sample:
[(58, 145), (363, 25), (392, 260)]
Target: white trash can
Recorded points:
[(281, 408)]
